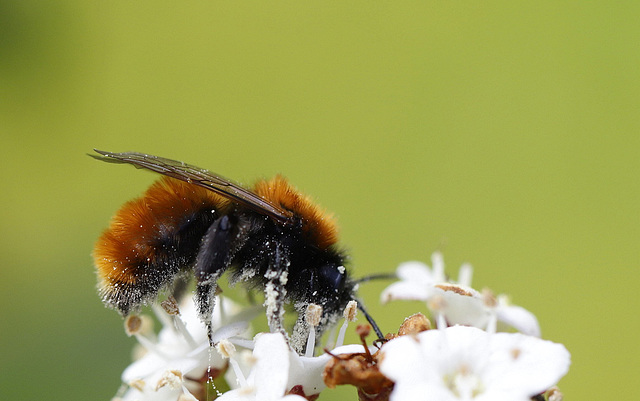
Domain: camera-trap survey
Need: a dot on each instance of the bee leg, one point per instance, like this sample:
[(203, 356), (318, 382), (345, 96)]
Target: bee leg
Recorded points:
[(301, 329), (205, 301), (275, 291), (212, 260)]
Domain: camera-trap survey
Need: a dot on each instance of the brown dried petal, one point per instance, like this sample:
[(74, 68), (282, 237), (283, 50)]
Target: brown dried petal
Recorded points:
[(357, 370), (414, 324), (454, 288)]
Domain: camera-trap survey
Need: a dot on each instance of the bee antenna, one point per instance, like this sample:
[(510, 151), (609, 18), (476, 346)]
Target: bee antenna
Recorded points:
[(381, 276), (371, 321)]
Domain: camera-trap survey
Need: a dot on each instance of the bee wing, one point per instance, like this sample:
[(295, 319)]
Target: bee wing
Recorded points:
[(197, 176)]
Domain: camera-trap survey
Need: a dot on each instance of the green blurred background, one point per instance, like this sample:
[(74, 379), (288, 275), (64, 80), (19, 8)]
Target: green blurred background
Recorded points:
[(505, 135)]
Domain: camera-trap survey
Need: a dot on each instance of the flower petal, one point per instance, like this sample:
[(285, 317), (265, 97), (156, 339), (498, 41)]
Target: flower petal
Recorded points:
[(468, 310), (406, 290), (272, 367), (403, 360), (415, 271), (526, 364), (307, 372), (519, 318)]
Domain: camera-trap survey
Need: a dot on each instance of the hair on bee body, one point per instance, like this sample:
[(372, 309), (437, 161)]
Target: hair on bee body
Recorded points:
[(194, 223)]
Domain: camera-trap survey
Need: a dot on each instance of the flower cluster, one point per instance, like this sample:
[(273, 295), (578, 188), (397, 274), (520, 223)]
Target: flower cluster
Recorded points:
[(466, 363), (178, 363), (466, 359), (455, 302), (472, 353)]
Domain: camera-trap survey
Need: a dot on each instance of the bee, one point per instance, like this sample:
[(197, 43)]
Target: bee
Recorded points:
[(195, 223)]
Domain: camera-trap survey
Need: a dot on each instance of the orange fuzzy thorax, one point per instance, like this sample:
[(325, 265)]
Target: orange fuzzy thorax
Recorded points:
[(318, 225)]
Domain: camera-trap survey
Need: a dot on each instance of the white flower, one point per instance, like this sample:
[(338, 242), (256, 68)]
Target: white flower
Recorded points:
[(457, 303), (182, 347), (170, 387), (466, 363), (278, 369), (416, 280)]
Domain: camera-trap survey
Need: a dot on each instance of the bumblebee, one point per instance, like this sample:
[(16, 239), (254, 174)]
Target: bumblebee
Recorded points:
[(192, 222)]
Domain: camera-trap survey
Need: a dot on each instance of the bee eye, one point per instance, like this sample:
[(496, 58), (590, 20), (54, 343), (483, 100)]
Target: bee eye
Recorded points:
[(333, 276)]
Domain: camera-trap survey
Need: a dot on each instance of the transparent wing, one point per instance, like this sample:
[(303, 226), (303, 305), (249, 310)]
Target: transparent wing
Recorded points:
[(197, 176)]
